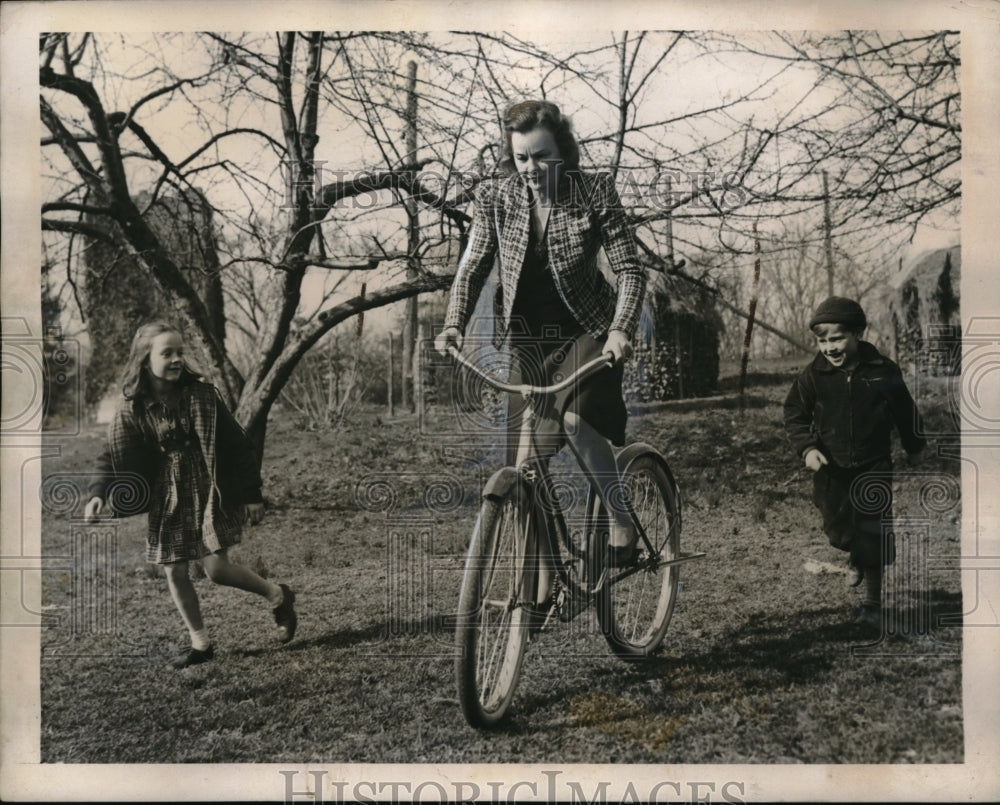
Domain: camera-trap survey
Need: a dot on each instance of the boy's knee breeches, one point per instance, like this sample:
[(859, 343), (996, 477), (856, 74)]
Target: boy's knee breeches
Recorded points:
[(856, 506)]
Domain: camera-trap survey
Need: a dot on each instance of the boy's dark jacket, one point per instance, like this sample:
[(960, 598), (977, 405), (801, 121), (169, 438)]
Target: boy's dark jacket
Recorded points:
[(132, 451), (849, 416)]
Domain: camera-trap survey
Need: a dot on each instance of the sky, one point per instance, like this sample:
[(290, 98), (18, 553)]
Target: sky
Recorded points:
[(696, 79)]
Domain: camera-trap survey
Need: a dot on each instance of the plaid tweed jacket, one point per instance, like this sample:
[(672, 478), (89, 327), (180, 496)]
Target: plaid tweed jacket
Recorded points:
[(587, 216)]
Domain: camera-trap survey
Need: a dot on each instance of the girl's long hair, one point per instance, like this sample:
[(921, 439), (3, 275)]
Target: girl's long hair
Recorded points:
[(136, 380), (527, 115)]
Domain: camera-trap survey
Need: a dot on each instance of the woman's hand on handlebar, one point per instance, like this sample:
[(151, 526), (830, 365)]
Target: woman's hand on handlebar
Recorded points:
[(448, 337), (619, 346)]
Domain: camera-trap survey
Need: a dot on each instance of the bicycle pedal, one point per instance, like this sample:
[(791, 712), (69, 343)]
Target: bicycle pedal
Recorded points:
[(539, 616)]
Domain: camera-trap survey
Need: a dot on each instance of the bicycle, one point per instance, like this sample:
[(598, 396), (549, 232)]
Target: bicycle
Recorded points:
[(522, 530)]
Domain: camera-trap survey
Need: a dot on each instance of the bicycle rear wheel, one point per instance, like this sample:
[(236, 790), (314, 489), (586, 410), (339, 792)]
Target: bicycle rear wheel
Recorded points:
[(635, 604), (498, 589)]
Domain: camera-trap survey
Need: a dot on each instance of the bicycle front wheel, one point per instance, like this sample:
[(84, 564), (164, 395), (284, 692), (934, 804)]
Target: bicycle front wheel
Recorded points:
[(498, 591), (635, 604)]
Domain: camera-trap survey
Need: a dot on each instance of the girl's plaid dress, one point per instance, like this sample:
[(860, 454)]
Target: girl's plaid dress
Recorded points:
[(197, 468)]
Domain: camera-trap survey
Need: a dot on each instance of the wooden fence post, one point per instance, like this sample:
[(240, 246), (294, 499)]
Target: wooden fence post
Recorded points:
[(418, 375), (388, 378)]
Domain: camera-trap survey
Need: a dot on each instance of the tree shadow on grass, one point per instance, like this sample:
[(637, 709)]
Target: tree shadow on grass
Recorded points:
[(804, 645), (772, 651), (798, 647)]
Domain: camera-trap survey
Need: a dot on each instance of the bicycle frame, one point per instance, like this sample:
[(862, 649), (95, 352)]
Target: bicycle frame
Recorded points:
[(522, 573), (547, 515)]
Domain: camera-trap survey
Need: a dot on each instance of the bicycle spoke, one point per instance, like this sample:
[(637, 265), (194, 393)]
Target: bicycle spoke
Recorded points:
[(634, 608), (491, 631)]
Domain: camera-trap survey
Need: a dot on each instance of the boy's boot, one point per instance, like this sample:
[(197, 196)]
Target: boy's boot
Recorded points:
[(870, 613)]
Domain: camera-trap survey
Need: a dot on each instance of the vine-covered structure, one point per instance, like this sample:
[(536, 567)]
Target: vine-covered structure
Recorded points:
[(925, 311)]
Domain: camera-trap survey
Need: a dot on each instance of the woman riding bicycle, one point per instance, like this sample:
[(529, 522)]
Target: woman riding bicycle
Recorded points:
[(546, 220)]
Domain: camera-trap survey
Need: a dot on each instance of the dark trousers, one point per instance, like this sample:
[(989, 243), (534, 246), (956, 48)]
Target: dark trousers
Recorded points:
[(856, 505)]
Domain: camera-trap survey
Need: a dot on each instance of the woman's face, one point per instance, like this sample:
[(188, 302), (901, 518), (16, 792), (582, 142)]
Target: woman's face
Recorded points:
[(537, 158), (166, 356)]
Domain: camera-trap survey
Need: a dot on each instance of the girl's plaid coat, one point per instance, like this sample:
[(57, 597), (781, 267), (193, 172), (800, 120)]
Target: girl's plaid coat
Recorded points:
[(132, 461), (587, 215)]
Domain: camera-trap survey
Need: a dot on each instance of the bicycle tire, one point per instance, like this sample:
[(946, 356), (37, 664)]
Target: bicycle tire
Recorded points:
[(634, 607), (493, 621)]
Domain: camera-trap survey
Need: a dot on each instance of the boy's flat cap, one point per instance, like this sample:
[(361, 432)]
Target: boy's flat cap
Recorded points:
[(840, 310)]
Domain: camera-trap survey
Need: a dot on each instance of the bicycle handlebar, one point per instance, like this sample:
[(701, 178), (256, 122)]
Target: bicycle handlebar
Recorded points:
[(586, 370)]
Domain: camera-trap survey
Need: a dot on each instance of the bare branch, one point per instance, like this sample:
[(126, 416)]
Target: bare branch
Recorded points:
[(78, 228)]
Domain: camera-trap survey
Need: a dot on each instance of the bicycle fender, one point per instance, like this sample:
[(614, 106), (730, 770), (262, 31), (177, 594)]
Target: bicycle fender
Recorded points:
[(626, 456), (631, 452), (501, 483)]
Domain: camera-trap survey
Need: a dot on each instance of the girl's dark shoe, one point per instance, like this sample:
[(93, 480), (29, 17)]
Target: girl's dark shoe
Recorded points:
[(192, 656), (284, 615), (622, 555)]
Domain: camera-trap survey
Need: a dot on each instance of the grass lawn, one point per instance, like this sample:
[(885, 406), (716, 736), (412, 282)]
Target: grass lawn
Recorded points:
[(368, 524)]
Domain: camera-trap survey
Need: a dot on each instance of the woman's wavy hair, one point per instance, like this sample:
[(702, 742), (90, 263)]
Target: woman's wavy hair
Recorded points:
[(527, 115), (137, 381)]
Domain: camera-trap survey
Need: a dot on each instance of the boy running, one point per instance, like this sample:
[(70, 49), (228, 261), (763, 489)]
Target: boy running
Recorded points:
[(839, 416)]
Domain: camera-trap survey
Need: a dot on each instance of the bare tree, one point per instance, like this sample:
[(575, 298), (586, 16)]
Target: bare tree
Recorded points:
[(264, 181), (297, 142), (877, 113), (714, 132), (880, 112)]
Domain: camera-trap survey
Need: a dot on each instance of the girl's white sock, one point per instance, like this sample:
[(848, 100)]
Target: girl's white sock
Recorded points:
[(200, 639)]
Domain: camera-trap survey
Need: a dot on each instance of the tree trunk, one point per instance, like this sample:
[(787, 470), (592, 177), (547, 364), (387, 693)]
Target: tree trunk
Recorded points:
[(257, 399), (750, 317), (827, 236), (391, 403)]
